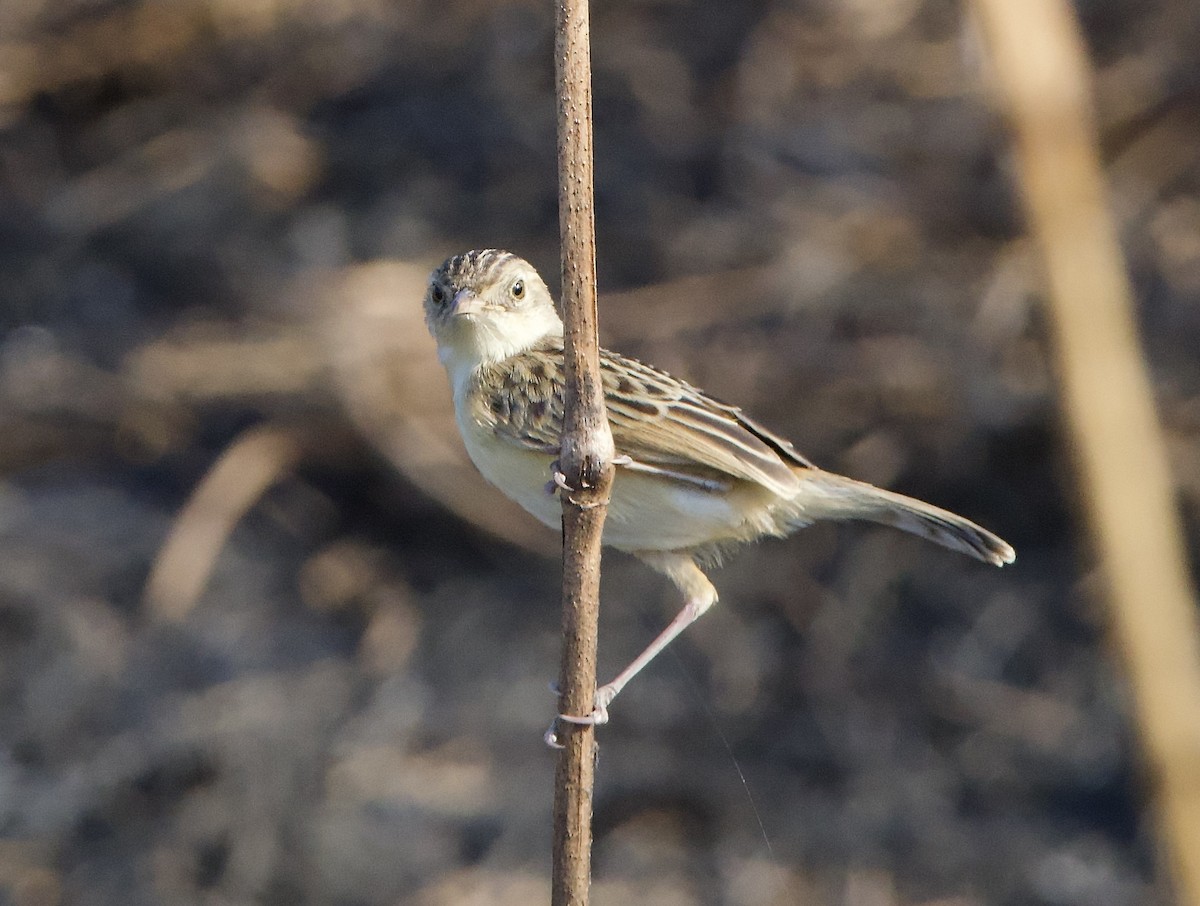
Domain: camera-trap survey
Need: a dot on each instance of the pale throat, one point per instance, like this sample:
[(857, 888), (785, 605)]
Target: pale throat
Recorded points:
[(489, 338)]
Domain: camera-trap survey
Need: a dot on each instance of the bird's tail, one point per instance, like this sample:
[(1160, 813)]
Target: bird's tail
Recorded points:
[(824, 495)]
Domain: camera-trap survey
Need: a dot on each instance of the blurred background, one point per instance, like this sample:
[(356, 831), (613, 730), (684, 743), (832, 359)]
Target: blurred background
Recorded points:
[(266, 637)]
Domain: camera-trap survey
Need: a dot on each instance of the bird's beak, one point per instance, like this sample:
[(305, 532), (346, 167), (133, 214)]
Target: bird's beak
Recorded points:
[(466, 303)]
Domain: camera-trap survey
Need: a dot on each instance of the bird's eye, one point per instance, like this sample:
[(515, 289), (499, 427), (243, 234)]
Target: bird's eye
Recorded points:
[(438, 294), (518, 289)]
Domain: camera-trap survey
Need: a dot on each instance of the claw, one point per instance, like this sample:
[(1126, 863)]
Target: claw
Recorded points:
[(550, 737), (558, 480)]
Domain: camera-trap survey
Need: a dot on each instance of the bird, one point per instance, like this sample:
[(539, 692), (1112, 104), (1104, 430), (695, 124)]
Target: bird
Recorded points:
[(695, 477)]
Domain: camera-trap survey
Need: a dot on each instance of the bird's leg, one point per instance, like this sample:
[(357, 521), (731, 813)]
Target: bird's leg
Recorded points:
[(605, 694), (700, 596)]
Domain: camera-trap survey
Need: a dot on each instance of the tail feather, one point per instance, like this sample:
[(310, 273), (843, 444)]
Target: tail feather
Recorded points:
[(824, 495)]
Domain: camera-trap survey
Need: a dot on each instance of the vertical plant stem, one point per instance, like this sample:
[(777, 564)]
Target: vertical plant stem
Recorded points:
[(1042, 73), (585, 457)]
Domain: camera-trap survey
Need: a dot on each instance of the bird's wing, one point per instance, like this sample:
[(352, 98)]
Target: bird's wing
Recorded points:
[(663, 425)]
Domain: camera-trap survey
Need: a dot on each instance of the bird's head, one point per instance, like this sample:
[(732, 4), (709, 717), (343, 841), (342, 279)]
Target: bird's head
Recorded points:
[(484, 306)]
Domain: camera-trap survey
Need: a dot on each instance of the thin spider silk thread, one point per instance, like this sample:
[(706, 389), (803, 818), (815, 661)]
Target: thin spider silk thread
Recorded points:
[(693, 688)]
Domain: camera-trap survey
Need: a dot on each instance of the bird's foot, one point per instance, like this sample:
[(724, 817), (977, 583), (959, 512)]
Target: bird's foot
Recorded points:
[(599, 713), (558, 479), (594, 718), (558, 484)]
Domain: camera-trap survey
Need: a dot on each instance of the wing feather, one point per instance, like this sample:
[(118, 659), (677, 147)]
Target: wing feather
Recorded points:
[(665, 426)]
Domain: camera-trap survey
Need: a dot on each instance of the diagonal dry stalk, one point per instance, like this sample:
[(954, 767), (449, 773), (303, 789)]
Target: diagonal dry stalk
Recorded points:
[(585, 457), (1042, 73)]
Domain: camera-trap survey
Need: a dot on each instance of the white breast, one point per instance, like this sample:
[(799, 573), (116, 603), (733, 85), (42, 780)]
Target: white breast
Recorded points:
[(520, 474)]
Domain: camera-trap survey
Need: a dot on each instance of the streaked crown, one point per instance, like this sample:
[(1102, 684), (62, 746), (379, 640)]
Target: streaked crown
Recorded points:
[(476, 266)]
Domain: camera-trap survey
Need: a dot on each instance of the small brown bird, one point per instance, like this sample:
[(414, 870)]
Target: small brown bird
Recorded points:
[(695, 477)]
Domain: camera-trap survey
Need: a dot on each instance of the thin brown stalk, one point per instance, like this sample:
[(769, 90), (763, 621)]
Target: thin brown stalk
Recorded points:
[(585, 457), (1042, 73)]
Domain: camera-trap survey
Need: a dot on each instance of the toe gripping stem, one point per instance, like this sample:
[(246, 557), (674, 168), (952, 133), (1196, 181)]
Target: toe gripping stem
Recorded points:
[(558, 481)]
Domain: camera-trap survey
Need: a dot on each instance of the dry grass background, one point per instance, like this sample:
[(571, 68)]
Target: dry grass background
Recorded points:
[(323, 679)]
